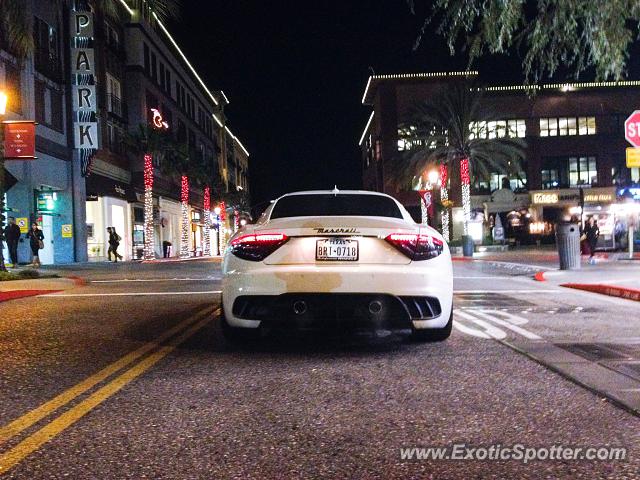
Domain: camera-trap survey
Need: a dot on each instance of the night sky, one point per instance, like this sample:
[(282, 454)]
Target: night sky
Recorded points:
[(295, 77)]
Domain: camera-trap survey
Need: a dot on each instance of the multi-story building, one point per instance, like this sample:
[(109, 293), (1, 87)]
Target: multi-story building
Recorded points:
[(43, 189), (134, 71), (574, 135)]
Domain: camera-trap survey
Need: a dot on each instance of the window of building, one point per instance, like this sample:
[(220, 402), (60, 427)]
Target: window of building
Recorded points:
[(567, 126), (154, 68), (182, 132), (111, 36), (57, 117), (635, 174), (550, 178), (46, 52), (167, 81), (162, 77), (147, 62), (569, 172), (114, 95), (39, 93), (192, 139), (582, 171), (514, 128), (12, 86)]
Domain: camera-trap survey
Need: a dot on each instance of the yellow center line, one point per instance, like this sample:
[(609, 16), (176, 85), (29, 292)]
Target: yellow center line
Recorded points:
[(30, 444), (47, 408)]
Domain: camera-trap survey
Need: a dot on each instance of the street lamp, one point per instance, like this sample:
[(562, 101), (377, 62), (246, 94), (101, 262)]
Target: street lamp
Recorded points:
[(432, 176), (3, 103)]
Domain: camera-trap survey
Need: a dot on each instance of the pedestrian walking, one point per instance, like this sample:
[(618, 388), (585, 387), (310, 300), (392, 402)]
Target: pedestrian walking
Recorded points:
[(12, 237), (36, 242), (592, 233), (114, 243)]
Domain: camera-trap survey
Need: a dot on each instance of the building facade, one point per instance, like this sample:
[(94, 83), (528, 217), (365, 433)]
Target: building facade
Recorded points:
[(93, 79), (574, 135)]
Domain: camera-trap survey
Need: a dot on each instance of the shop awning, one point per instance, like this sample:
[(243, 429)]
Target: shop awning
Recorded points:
[(99, 186)]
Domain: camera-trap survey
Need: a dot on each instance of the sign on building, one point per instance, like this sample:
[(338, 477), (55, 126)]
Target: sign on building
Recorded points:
[(67, 231), (19, 140), (83, 80)]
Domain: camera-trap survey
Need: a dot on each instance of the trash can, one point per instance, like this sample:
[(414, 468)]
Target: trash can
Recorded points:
[(568, 241), (467, 245)]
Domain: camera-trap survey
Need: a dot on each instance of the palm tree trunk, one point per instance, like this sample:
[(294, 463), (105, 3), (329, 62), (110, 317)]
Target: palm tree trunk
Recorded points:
[(149, 250), (465, 181), (184, 237), (444, 197), (207, 221)]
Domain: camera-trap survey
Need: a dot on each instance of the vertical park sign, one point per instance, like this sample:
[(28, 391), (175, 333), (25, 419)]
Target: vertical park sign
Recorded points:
[(83, 84)]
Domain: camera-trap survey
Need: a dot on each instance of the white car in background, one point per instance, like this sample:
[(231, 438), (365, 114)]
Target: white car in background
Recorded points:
[(344, 260)]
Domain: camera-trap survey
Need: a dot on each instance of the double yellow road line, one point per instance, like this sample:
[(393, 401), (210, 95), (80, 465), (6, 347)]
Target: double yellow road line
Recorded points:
[(177, 335)]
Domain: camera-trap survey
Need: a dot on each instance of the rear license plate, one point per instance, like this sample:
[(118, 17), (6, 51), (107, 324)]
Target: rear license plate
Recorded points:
[(341, 249)]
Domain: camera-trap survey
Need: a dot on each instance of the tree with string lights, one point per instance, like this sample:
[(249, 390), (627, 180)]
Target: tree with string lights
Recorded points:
[(191, 168), (451, 130), (152, 143)]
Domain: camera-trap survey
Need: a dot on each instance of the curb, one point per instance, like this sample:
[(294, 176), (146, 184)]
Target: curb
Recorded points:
[(610, 290), (15, 294), (77, 281)]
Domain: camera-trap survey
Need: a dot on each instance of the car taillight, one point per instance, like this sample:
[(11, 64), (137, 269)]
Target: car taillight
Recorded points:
[(416, 246), (256, 247)]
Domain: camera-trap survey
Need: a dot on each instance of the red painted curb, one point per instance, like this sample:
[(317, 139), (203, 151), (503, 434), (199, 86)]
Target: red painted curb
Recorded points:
[(461, 259), (611, 290), (14, 294), (539, 276), (77, 281)]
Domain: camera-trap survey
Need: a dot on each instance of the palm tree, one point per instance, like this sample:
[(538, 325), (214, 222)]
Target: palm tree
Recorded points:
[(164, 9), (190, 167), (151, 143), (15, 29), (452, 131)]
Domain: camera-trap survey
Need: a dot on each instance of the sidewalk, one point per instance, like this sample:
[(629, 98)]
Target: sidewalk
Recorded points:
[(13, 289), (614, 278)]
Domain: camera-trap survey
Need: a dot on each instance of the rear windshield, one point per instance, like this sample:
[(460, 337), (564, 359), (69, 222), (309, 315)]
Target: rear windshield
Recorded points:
[(330, 205)]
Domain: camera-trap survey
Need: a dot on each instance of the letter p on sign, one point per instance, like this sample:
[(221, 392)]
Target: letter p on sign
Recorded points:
[(632, 129)]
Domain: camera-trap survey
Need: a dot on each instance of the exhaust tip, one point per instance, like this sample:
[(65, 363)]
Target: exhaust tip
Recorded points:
[(375, 307), (300, 307)]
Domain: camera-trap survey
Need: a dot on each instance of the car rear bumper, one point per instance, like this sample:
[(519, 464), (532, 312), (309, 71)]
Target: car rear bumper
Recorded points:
[(341, 292)]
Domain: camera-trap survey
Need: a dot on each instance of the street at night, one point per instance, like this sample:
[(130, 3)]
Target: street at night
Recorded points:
[(130, 377), (330, 240)]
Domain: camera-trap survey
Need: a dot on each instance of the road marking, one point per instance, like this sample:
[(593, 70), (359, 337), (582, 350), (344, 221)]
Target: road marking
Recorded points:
[(490, 330), (509, 325), (508, 291), (30, 444), (487, 277), (126, 294), (469, 331), (150, 280), (47, 408)]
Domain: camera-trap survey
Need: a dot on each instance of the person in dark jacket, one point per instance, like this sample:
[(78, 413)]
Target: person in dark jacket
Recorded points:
[(114, 243), (592, 232), (12, 237), (35, 237)]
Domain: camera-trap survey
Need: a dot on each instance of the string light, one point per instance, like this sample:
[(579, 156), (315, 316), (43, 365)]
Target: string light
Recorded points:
[(222, 226), (444, 197), (207, 221), (184, 237), (148, 250), (466, 193)]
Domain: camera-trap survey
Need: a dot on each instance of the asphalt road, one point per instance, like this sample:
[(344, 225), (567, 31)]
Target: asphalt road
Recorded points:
[(129, 377)]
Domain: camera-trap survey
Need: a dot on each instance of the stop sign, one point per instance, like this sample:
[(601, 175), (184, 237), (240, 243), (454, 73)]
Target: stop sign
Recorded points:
[(632, 129)]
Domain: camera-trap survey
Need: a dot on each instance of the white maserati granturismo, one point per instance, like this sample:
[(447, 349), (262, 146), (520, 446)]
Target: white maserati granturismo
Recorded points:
[(342, 260)]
